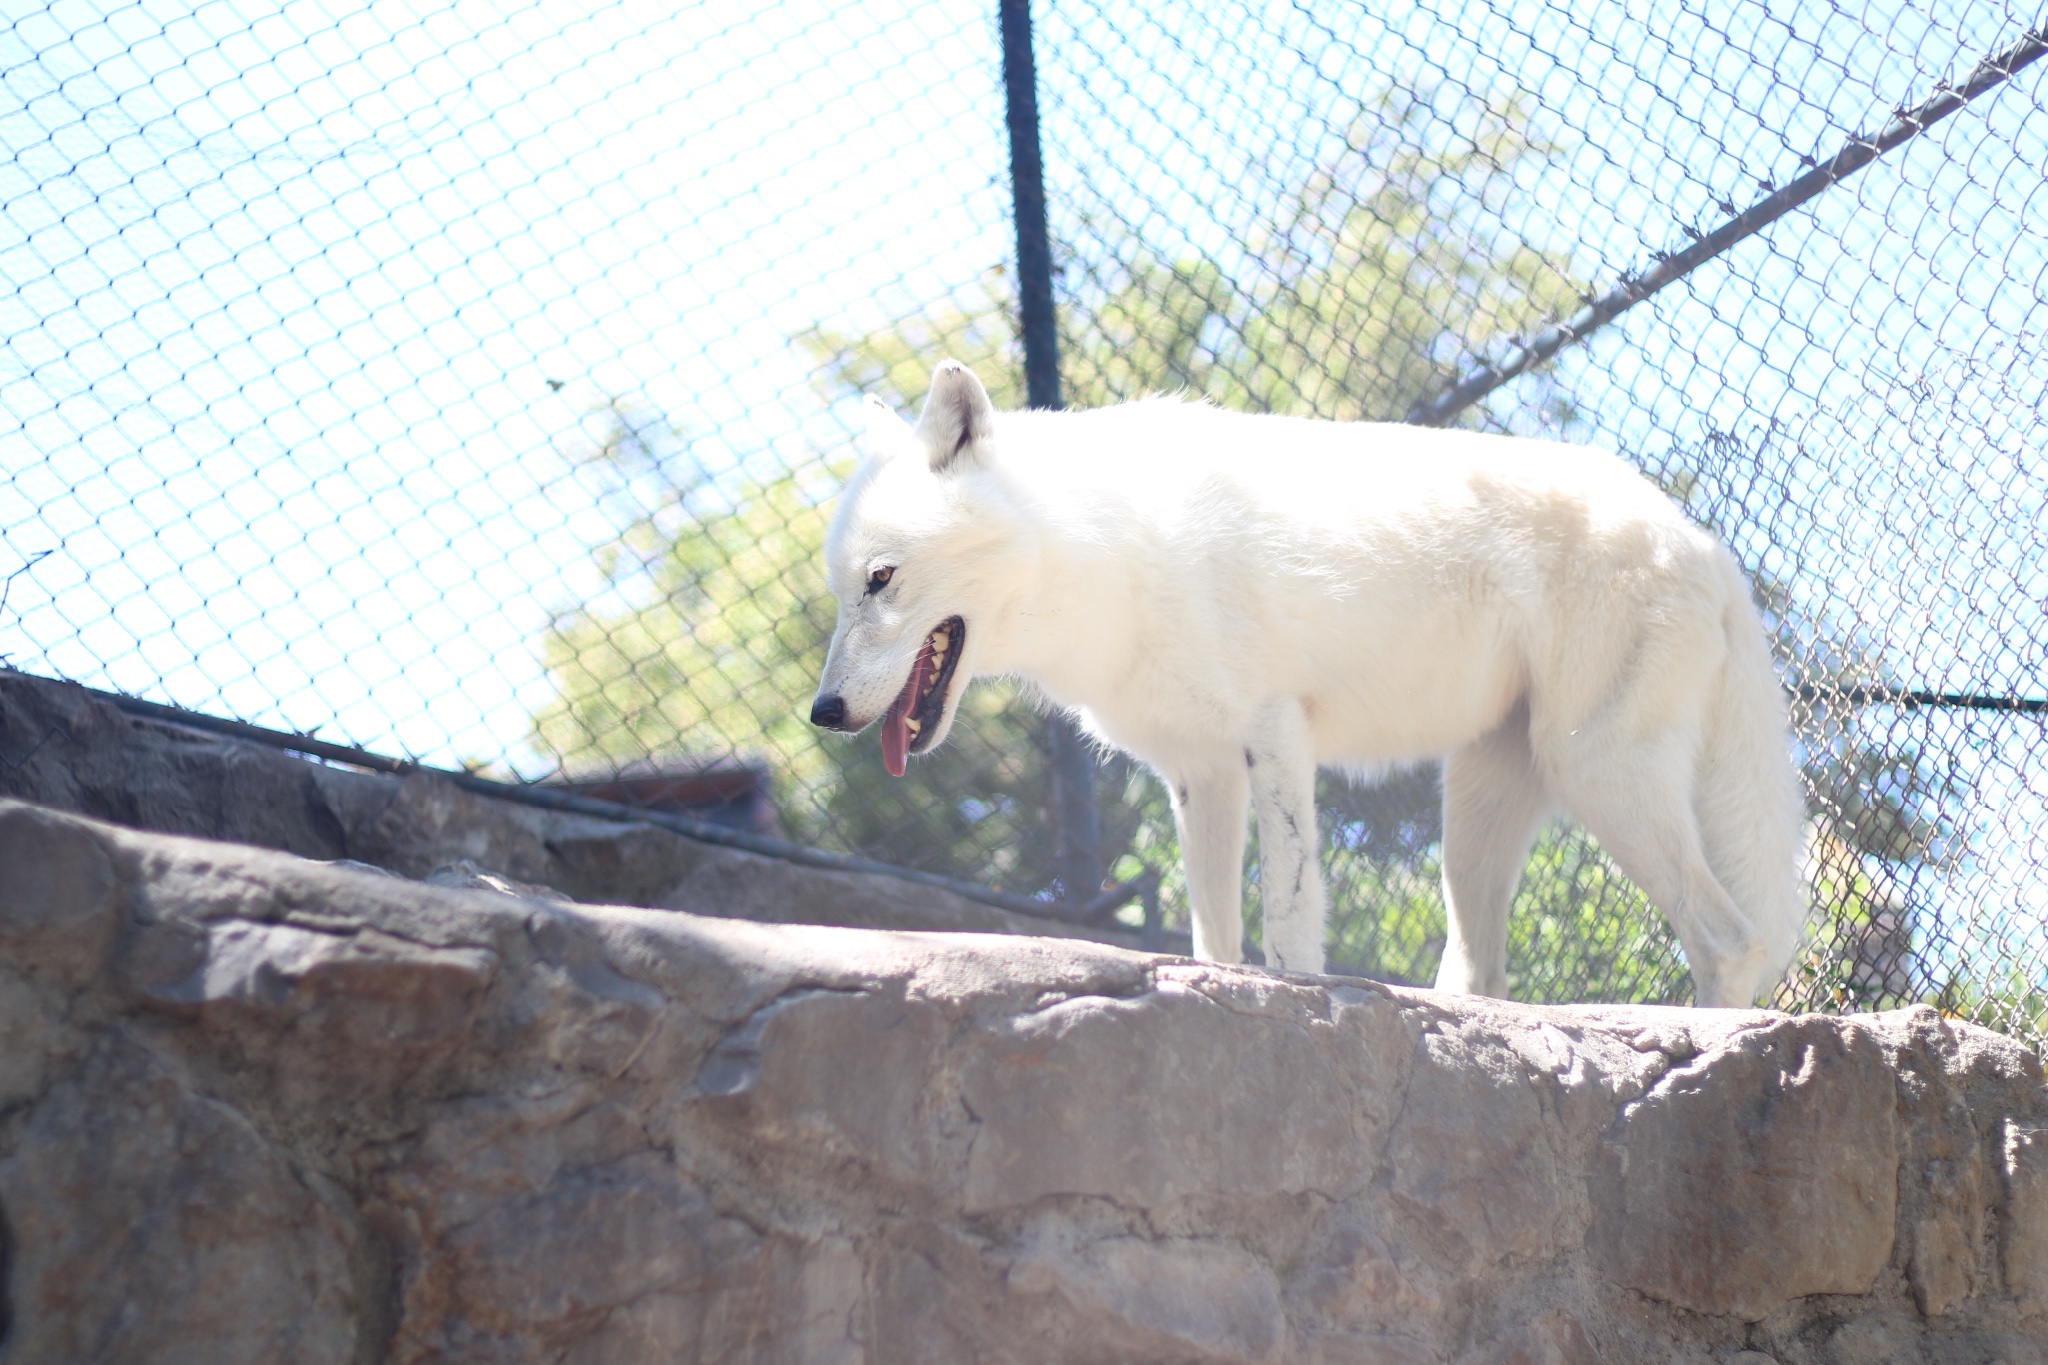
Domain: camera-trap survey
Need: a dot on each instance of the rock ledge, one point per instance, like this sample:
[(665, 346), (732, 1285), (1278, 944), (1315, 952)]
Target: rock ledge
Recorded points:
[(259, 1108)]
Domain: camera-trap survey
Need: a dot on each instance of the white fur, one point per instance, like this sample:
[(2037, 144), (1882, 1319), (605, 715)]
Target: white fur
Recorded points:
[(1238, 599)]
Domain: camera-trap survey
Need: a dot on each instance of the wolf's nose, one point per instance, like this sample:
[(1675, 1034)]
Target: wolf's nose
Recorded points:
[(829, 712)]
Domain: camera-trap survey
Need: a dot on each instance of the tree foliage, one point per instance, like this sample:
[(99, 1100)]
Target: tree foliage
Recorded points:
[(1354, 301)]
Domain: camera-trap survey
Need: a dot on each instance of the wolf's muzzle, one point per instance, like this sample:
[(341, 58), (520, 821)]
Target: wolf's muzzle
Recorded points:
[(829, 712)]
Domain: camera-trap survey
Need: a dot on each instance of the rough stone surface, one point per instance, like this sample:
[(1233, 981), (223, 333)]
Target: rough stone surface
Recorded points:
[(1765, 1171), (2026, 1195), (223, 1250), (260, 1108)]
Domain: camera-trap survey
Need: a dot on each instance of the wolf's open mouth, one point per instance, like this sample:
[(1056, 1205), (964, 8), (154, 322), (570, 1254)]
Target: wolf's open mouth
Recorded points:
[(914, 716)]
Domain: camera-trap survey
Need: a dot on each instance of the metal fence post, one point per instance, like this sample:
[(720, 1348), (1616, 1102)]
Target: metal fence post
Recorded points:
[(1077, 832), (1027, 189)]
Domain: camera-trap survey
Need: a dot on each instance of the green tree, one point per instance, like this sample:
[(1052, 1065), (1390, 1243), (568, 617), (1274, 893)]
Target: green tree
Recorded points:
[(1342, 308), (713, 622)]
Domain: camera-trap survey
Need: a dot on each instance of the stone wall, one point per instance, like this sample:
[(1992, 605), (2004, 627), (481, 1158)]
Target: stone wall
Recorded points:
[(260, 1108)]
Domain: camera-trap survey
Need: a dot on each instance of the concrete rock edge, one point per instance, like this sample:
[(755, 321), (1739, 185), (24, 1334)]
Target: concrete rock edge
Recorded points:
[(378, 1120)]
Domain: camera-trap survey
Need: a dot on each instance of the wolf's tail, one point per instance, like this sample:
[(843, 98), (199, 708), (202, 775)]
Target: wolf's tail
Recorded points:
[(1747, 795)]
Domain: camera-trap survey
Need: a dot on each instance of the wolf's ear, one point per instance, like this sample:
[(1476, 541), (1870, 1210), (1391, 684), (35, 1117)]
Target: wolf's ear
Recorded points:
[(887, 433), (958, 421)]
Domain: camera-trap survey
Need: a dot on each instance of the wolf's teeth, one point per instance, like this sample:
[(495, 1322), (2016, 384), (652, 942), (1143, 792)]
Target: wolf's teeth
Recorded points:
[(910, 723)]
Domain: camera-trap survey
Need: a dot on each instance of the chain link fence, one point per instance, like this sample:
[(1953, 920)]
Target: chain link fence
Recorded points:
[(469, 382)]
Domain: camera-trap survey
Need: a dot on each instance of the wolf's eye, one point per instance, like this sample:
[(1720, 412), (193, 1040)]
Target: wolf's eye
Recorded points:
[(879, 579)]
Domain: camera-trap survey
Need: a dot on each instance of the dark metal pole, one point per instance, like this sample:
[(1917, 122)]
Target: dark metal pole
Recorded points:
[(1027, 189), (1077, 830)]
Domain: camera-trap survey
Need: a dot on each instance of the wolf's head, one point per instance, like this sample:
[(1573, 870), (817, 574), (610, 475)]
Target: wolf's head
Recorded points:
[(923, 562)]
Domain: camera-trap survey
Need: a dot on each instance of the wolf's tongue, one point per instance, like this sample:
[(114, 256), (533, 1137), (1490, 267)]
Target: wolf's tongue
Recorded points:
[(896, 734), (895, 730)]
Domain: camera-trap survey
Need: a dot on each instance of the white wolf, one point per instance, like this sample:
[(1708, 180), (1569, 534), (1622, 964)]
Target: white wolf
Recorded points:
[(1238, 599)]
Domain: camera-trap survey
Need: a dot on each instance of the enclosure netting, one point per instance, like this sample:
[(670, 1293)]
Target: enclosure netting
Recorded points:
[(470, 382)]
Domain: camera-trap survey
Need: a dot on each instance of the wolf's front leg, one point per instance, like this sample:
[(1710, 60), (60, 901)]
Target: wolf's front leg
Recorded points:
[(1281, 763), (1208, 810)]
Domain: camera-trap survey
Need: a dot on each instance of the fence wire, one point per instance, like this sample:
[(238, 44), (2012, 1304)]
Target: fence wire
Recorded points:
[(470, 382)]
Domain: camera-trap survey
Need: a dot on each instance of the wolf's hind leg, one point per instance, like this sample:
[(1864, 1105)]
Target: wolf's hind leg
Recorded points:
[(1281, 763), (1636, 798), (1493, 801), (1208, 812)]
